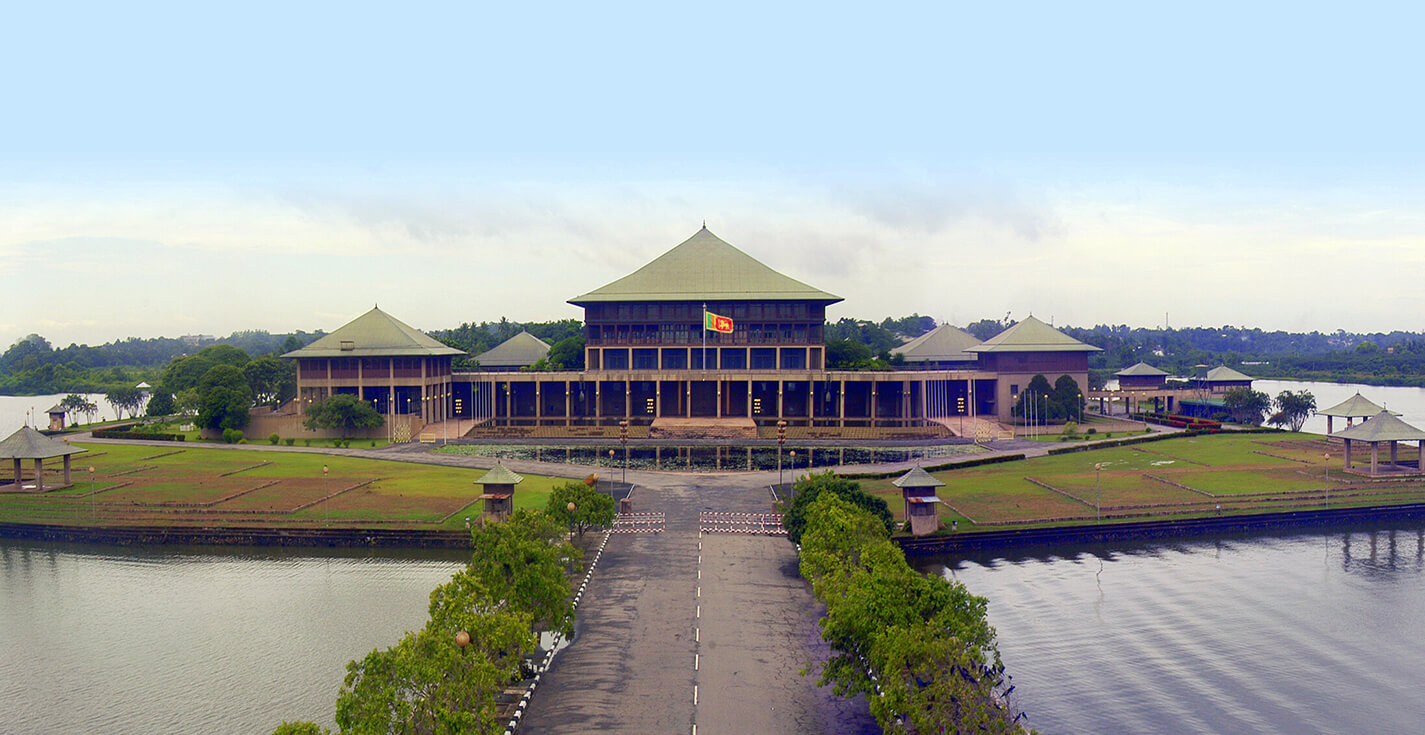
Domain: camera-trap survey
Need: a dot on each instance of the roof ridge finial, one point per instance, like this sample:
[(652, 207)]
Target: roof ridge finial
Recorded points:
[(705, 223)]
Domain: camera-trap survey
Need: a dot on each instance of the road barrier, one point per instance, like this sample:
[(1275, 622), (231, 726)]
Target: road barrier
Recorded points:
[(638, 523), (764, 524)]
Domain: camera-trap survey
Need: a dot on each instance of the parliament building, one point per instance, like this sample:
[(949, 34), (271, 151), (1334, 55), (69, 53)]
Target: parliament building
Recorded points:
[(652, 362)]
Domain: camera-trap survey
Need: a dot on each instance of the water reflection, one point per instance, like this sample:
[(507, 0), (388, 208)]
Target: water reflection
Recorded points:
[(715, 459), (1232, 634)]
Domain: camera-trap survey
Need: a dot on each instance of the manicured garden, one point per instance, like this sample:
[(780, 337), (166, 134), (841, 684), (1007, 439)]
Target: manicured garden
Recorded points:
[(1203, 475), (184, 484)]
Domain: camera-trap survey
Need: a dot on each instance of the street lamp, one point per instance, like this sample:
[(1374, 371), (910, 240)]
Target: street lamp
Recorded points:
[(93, 512), (1098, 494), (623, 439), (326, 497), (462, 639), (781, 439), (611, 459), (1326, 466)]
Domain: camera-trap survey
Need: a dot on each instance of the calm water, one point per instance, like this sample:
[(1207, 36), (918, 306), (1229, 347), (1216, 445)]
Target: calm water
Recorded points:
[(713, 459), (15, 411), (1410, 402), (124, 640), (1316, 633)]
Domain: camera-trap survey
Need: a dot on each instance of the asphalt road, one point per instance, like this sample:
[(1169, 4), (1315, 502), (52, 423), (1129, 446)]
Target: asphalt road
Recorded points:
[(679, 630)]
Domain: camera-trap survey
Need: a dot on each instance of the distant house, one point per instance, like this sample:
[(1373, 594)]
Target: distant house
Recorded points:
[(520, 351), (1222, 379), (943, 347), (1030, 348), (1141, 377)]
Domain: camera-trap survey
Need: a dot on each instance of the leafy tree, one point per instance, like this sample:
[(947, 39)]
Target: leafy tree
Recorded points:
[(424, 684), (223, 398), (75, 404), (1292, 409), (987, 328), (273, 381), (524, 563), (845, 354), (1035, 400), (300, 728), (1067, 401), (812, 485), (345, 412), (1246, 406), (161, 404), (26, 354), (568, 353), (125, 398), (592, 509)]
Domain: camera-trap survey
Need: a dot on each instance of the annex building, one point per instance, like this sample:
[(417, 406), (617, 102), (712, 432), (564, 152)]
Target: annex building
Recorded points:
[(707, 341)]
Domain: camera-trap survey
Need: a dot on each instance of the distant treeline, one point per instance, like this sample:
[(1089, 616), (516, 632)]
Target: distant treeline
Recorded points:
[(32, 366)]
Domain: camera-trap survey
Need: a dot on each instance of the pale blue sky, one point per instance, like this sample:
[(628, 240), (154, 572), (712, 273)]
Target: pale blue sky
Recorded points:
[(178, 169)]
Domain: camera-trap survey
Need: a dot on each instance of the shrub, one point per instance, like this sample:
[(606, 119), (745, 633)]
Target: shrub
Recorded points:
[(309, 442), (273, 439), (1091, 430), (232, 436), (291, 440), (373, 443)]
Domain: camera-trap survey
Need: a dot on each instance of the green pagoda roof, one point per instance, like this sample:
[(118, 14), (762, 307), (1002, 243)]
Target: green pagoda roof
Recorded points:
[(941, 344), (705, 268), (1354, 406), (1142, 369), (499, 475), (517, 351), (26, 443), (917, 477), (1224, 374), (1381, 428), (1032, 335), (375, 334)]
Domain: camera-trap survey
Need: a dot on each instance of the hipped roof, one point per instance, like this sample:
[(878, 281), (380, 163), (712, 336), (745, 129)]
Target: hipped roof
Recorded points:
[(376, 334), (26, 443), (517, 351), (1032, 335), (705, 268), (1224, 374), (1140, 370), (499, 475), (1382, 427), (917, 477), (941, 344), (1354, 406)]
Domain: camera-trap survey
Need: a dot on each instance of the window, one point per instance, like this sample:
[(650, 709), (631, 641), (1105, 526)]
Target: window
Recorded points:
[(764, 358), (794, 359), (615, 359), (734, 358)]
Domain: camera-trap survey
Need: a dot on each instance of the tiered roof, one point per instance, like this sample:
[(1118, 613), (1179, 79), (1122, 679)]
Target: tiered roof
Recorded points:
[(1140, 370), (705, 268), (375, 334), (1383, 427), (1032, 335), (1354, 406), (1224, 374)]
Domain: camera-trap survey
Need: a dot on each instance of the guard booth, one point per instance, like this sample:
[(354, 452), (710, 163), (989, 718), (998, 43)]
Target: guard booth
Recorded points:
[(918, 492), (499, 496)]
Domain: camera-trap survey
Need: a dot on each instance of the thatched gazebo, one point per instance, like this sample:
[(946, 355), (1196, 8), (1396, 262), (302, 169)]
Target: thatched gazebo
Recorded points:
[(499, 496), (1355, 407), (1384, 429), (918, 492), (27, 443)]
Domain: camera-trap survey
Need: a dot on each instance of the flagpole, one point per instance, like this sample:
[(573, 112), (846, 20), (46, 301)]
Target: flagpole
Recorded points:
[(705, 335)]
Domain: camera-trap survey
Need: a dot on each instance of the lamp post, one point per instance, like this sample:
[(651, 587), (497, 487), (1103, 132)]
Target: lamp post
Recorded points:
[(326, 497), (623, 440), (794, 465), (462, 639), (93, 511), (1098, 494), (611, 460), (781, 440), (1326, 472)]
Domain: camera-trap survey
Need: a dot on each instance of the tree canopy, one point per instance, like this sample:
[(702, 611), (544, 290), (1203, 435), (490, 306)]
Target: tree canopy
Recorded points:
[(1293, 409), (223, 398), (592, 509), (344, 412), (812, 485), (1246, 406)]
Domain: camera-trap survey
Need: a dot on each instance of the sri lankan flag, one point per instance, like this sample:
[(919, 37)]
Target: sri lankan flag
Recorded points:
[(714, 323)]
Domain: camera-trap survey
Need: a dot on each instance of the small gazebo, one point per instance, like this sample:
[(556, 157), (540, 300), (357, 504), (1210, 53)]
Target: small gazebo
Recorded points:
[(56, 417), (499, 495), (918, 492), (1355, 407), (1384, 429), (27, 443)]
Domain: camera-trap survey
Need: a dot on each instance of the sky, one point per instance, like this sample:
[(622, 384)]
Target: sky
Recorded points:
[(171, 169)]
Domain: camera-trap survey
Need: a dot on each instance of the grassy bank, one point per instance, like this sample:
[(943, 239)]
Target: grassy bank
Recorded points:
[(188, 485), (1186, 477)]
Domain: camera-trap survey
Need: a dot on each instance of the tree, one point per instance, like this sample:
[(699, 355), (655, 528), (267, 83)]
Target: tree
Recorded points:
[(223, 398), (1066, 401), (592, 509), (75, 404), (810, 486), (161, 404), (1292, 409), (26, 354), (845, 354), (424, 684), (1035, 400), (568, 353), (1246, 406), (272, 381), (125, 398), (524, 563), (300, 728), (343, 411)]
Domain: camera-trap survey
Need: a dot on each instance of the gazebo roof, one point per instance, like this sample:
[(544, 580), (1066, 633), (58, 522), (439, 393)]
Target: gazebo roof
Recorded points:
[(1354, 406), (375, 334), (56, 408), (499, 475), (1032, 335), (517, 351), (26, 443), (941, 344), (917, 477), (1142, 369), (1383, 427), (1224, 374), (705, 268)]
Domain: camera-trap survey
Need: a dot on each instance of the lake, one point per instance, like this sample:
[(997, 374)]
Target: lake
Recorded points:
[(15, 411), (1305, 633), (195, 640)]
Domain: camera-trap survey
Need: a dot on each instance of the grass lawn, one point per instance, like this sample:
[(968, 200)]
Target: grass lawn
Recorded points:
[(186, 485), (1236, 471)]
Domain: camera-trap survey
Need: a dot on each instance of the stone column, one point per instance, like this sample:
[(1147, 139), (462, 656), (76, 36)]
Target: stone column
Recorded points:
[(67, 480), (39, 475)]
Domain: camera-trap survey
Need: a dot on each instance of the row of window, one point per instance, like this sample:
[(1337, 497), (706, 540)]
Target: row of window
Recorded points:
[(688, 310), (682, 334), (725, 358)]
